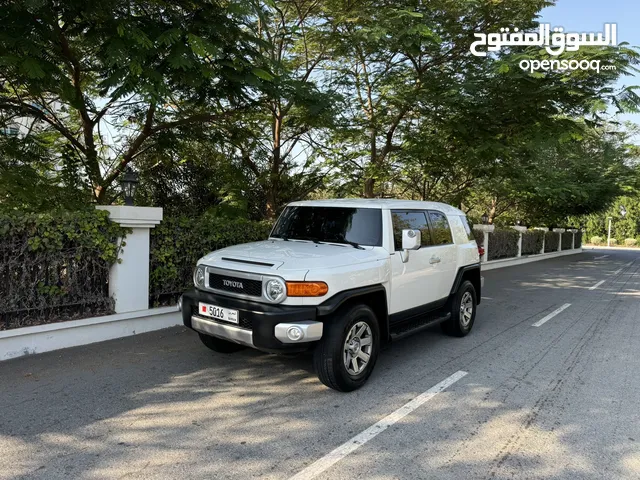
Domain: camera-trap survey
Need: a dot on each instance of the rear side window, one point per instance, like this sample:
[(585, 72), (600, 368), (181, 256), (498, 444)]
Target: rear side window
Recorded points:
[(467, 228), (440, 231), (410, 219)]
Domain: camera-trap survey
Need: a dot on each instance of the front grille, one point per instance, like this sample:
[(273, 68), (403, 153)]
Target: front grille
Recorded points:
[(243, 322), (231, 284)]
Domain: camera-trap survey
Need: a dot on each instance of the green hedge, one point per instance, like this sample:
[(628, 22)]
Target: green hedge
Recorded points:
[(532, 242), (567, 240), (578, 240), (503, 243), (178, 242), (551, 241), (55, 266), (479, 236)]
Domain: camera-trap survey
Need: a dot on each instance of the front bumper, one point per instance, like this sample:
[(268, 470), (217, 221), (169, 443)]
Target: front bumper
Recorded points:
[(260, 325)]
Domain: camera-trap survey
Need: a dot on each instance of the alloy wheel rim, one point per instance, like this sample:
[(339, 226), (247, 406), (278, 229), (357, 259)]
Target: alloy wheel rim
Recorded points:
[(357, 348), (466, 309)]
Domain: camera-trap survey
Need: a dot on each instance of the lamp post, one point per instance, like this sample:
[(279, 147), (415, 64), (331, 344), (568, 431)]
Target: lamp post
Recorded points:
[(485, 219), (609, 235), (129, 182)]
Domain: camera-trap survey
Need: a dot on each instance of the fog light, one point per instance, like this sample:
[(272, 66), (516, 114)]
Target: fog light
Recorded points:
[(295, 333)]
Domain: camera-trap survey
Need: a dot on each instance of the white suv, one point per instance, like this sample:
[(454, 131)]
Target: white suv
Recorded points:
[(341, 277)]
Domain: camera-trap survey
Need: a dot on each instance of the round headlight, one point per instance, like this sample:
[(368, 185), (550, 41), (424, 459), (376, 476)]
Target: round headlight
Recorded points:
[(275, 290), (198, 276)]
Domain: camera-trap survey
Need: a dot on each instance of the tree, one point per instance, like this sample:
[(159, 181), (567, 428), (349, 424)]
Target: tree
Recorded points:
[(110, 78), (274, 142), (401, 66)]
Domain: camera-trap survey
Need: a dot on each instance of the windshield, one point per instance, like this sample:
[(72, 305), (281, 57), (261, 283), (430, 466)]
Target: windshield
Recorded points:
[(362, 226)]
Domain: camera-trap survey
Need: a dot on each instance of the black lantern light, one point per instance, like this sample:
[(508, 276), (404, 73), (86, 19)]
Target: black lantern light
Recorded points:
[(518, 222), (485, 219), (129, 182)]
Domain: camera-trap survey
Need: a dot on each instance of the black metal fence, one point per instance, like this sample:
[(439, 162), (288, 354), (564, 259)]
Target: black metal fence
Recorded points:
[(55, 268)]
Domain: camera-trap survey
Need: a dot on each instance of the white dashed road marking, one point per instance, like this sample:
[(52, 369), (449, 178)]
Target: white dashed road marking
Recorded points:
[(350, 446), (597, 285), (598, 258), (551, 315)]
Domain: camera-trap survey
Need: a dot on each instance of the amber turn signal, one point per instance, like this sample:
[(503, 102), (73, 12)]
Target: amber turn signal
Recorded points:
[(306, 289)]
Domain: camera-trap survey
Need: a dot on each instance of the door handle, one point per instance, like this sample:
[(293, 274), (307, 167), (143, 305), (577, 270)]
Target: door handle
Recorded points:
[(434, 259)]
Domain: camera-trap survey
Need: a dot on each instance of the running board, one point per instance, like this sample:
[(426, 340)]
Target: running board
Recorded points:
[(417, 324)]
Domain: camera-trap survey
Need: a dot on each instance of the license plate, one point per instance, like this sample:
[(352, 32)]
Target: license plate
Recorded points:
[(219, 313)]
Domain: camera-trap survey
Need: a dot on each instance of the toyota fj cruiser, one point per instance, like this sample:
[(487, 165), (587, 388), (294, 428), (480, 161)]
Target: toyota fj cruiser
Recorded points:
[(341, 277)]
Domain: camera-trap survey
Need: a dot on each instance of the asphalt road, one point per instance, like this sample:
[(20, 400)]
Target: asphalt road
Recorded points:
[(561, 400)]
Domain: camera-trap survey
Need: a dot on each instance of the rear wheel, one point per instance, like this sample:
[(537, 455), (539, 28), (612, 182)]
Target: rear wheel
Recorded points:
[(347, 353), (463, 311), (219, 345)]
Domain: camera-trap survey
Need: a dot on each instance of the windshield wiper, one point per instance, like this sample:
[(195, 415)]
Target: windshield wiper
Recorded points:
[(310, 239), (342, 239), (353, 244)]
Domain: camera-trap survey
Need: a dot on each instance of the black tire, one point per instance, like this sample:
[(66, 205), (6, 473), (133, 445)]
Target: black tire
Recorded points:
[(460, 325), (219, 345), (329, 356)]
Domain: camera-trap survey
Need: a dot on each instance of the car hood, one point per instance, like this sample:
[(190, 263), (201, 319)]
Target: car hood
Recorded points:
[(288, 255)]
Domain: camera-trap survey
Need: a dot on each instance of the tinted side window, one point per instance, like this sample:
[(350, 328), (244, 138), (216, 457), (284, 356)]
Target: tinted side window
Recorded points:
[(440, 229), (414, 220)]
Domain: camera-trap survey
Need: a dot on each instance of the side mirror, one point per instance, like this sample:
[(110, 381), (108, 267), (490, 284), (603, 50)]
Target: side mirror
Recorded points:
[(411, 240)]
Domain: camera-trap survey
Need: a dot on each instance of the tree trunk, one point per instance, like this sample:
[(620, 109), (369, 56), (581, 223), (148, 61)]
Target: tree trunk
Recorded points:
[(271, 207), (368, 187)]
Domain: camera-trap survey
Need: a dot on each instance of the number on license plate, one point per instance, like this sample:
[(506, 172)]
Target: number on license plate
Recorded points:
[(219, 313)]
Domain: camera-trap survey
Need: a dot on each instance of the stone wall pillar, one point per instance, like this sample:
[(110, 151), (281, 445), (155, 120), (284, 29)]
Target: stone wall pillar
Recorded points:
[(560, 231), (545, 230), (486, 229), (129, 278), (520, 230)]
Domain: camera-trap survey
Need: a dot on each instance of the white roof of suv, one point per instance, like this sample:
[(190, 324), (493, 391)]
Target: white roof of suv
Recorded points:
[(380, 203)]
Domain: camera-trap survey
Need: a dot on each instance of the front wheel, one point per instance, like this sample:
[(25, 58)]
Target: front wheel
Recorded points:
[(347, 353), (463, 311), (219, 345)]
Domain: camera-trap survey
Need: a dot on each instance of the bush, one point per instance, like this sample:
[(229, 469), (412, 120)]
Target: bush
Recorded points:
[(614, 241), (596, 240), (479, 236), (55, 266), (178, 242), (551, 241), (532, 242), (503, 243), (578, 240), (630, 242), (567, 241)]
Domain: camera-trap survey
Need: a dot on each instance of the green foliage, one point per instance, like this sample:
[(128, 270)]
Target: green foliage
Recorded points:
[(578, 240), (596, 240), (532, 242), (630, 242), (178, 242), (551, 242), (503, 243), (567, 240), (146, 72), (479, 236), (55, 266)]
